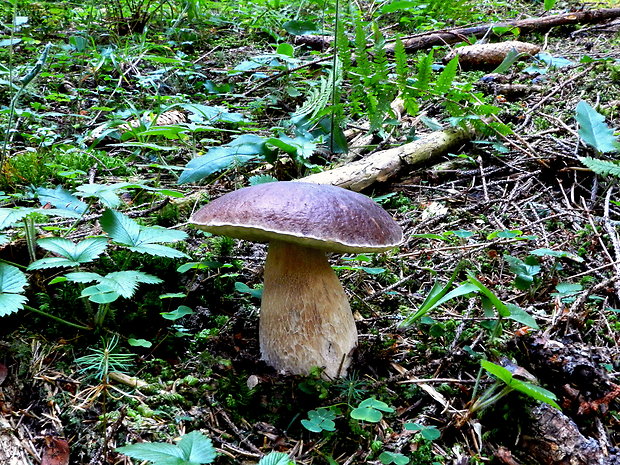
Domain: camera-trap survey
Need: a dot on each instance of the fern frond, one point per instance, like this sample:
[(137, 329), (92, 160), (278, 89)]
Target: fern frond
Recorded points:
[(446, 77), (602, 167), (343, 47), (380, 61), (319, 97), (425, 71), (402, 67), (361, 55)]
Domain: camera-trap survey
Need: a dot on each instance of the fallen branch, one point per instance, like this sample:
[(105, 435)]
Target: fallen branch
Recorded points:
[(545, 23), (462, 34), (384, 164)]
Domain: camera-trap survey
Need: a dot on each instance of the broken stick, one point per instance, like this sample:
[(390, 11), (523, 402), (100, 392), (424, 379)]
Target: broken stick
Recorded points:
[(384, 164)]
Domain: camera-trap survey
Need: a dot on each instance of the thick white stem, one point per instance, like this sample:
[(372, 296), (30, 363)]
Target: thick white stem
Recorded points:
[(305, 318)]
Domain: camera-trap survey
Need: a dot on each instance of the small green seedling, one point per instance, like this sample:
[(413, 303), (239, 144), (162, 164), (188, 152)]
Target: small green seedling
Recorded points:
[(321, 419), (386, 458), (507, 383), (370, 410), (430, 433)]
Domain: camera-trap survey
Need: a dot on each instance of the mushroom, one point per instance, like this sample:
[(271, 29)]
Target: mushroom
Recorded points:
[(305, 317)]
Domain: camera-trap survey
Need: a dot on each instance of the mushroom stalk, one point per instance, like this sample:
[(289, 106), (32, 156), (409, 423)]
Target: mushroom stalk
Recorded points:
[(305, 318)]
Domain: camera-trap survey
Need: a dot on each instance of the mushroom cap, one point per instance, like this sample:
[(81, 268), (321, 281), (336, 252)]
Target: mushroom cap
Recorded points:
[(312, 215)]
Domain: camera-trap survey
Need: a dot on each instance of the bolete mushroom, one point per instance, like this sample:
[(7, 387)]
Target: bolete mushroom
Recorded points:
[(305, 318)]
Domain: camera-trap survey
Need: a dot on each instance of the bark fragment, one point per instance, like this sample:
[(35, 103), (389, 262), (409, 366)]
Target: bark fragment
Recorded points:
[(553, 438)]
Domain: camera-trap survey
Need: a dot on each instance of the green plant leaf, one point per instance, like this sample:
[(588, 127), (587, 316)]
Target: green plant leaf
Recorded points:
[(439, 295), (301, 147), (65, 203), (126, 282), (298, 28), (430, 433), (10, 216), (521, 316), (321, 419), (399, 5), (505, 234), (527, 388), (193, 449), (370, 410), (197, 448), (12, 284), (100, 294), (211, 114), (430, 236), (602, 167), (107, 194), (141, 239), (158, 453), (121, 228), (387, 457), (276, 458), (500, 306), (204, 265), (366, 414), (446, 77), (511, 58), (113, 285), (180, 312), (593, 129), (525, 270), (545, 252), (71, 254), (83, 277), (139, 342), (245, 289), (247, 148), (260, 179)]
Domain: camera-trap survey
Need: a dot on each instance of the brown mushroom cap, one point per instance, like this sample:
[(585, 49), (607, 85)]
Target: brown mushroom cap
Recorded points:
[(313, 215)]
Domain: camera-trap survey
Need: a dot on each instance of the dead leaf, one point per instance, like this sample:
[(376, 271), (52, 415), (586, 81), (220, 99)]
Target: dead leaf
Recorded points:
[(3, 373), (56, 451)]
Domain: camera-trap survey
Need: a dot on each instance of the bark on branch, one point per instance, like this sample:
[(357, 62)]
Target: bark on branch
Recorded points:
[(459, 34), (384, 164)]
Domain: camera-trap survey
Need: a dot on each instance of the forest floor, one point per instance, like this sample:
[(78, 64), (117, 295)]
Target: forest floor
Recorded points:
[(519, 218)]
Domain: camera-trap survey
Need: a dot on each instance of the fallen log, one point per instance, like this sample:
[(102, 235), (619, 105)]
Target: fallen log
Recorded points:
[(491, 55), (459, 34), (382, 165), (454, 35)]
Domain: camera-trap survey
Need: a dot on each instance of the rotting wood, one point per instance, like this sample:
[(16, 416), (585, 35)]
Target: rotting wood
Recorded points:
[(576, 368), (382, 165), (552, 438)]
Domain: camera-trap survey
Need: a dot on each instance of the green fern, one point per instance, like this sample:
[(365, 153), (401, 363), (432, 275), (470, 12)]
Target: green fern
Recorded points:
[(401, 67), (425, 71), (319, 97), (380, 61), (446, 77), (343, 47), (361, 55), (602, 167)]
